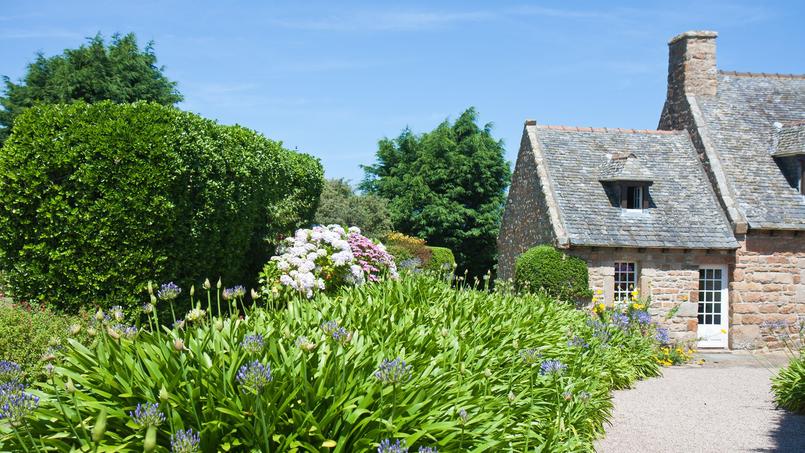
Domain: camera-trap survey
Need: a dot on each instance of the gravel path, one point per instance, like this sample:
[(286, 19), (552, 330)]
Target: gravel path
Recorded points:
[(724, 405)]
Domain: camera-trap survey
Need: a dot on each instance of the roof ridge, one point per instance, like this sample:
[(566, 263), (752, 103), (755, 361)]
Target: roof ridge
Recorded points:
[(607, 129), (766, 75)]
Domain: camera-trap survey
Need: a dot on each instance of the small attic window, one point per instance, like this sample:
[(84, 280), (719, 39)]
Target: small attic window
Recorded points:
[(634, 197), (802, 176)]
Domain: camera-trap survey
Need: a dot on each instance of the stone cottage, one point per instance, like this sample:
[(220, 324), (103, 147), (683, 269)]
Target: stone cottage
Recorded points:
[(707, 213)]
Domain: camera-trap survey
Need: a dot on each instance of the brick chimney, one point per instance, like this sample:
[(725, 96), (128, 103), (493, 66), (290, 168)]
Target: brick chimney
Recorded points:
[(691, 71)]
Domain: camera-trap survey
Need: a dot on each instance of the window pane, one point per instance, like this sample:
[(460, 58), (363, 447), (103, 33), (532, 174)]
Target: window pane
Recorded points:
[(708, 319), (701, 319), (701, 308), (708, 308), (717, 319), (717, 296)]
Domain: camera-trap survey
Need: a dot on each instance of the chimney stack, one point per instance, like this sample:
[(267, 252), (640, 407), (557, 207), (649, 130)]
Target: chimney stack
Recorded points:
[(691, 71), (692, 64)]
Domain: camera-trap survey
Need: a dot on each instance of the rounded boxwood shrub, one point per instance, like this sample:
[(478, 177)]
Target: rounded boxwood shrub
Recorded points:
[(561, 276), (441, 259), (97, 199)]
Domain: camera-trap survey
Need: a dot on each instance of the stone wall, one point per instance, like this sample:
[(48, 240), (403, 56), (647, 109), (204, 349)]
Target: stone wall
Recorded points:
[(526, 221), (669, 276), (768, 286)]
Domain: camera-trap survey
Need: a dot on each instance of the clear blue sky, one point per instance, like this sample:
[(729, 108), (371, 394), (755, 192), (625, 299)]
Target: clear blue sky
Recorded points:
[(331, 78)]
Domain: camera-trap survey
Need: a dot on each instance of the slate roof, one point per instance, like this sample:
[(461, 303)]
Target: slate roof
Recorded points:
[(624, 167), (739, 121), (788, 140), (684, 212)]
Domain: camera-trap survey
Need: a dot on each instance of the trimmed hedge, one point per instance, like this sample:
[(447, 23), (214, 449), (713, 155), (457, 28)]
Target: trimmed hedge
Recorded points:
[(97, 199), (441, 259), (561, 276)]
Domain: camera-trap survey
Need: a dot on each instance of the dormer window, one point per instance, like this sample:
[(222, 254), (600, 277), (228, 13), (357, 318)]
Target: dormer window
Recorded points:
[(629, 179), (788, 149), (634, 197), (802, 176)]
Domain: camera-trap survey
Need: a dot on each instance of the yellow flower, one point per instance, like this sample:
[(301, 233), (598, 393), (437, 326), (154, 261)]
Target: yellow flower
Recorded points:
[(599, 291), (724, 331)]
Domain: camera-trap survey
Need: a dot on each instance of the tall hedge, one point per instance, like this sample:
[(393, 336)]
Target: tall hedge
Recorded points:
[(97, 199), (545, 268)]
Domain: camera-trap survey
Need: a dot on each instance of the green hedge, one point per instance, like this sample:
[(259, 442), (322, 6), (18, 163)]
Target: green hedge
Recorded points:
[(560, 275), (97, 199), (441, 259)]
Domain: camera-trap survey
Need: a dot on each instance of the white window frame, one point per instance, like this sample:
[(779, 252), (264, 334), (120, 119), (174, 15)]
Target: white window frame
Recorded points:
[(620, 294)]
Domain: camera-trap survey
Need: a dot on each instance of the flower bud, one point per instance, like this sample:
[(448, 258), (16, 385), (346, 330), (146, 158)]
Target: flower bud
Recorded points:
[(99, 315), (255, 294), (150, 442), (219, 325), (218, 285), (192, 290), (178, 344), (512, 396), (49, 368), (113, 333), (153, 299), (91, 331), (206, 284), (100, 426), (163, 394), (69, 386), (488, 373), (150, 288), (516, 343), (75, 329)]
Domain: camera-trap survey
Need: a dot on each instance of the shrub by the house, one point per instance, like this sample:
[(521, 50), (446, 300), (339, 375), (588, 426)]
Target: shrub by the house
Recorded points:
[(97, 199), (545, 268), (441, 260)]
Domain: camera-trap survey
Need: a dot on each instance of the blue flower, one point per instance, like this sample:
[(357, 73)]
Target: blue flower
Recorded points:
[(620, 320), (253, 344), (10, 372), (185, 441), (549, 367), (147, 414), (578, 342), (386, 446), (169, 291), (393, 371), (15, 404), (530, 356), (662, 336), (117, 312), (462, 415), (642, 317), (428, 450), (329, 327), (254, 376), (234, 293)]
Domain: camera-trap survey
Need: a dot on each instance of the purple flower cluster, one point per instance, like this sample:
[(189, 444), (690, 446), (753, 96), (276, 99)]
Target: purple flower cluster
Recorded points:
[(253, 344), (373, 258), (393, 371), (551, 367), (185, 441), (530, 356), (642, 317), (424, 449), (578, 342), (620, 320), (169, 291), (399, 446), (15, 404), (238, 292), (662, 336), (254, 377), (147, 414), (10, 372), (336, 332)]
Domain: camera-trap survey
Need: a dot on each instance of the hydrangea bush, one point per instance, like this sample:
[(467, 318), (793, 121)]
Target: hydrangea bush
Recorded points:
[(325, 258)]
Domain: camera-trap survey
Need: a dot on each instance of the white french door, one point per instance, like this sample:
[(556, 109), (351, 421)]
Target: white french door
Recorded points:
[(713, 304)]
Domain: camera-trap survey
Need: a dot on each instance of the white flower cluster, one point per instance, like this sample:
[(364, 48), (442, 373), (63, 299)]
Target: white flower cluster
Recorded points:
[(312, 257)]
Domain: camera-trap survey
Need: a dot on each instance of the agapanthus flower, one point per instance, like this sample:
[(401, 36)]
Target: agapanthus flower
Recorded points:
[(642, 317), (424, 449), (129, 332), (195, 314), (341, 335), (253, 344), (303, 343), (169, 291), (584, 396), (10, 372), (662, 336), (578, 342), (329, 327), (463, 416), (147, 414), (148, 308), (393, 371), (185, 441), (399, 446), (549, 367), (117, 313), (620, 320), (15, 403), (567, 396), (236, 292), (178, 324), (530, 356), (254, 376)]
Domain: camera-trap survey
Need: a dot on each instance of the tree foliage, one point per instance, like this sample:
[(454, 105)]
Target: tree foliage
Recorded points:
[(339, 204), (97, 199), (120, 72), (446, 186)]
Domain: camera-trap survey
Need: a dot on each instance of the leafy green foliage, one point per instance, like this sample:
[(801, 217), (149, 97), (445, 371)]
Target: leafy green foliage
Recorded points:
[(789, 385), (472, 352), (441, 259), (546, 268), (446, 186), (405, 248), (340, 205), (28, 332), (120, 72), (97, 199)]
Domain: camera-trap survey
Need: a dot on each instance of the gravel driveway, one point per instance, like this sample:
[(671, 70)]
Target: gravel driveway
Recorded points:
[(724, 405)]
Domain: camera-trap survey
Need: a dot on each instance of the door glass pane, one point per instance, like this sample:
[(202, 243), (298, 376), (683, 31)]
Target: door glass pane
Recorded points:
[(717, 319), (701, 319)]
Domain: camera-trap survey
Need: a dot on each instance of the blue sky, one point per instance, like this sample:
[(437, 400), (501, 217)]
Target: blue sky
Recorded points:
[(331, 78)]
